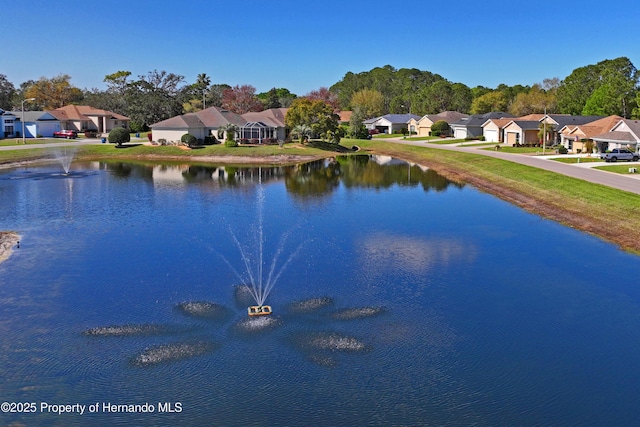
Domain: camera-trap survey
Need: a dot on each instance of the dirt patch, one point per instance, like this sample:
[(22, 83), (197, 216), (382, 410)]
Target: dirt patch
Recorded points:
[(8, 239)]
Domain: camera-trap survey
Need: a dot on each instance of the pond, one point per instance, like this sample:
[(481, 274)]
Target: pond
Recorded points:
[(398, 298)]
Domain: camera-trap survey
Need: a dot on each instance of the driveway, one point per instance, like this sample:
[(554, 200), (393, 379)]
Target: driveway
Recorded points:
[(582, 171)]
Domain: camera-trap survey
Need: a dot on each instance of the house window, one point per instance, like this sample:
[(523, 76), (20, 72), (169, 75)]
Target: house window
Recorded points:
[(8, 129), (8, 121)]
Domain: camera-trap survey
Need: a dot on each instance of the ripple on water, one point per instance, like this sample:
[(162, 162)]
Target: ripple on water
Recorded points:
[(251, 325), (203, 309), (356, 313), (242, 295), (310, 304), (173, 352), (130, 330)]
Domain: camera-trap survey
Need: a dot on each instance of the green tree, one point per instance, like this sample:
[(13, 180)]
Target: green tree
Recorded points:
[(228, 132), (490, 101), (189, 139), (368, 102), (318, 115), (153, 98), (619, 74), (536, 100), (119, 136), (434, 98), (7, 92), (302, 132), (53, 93), (440, 127)]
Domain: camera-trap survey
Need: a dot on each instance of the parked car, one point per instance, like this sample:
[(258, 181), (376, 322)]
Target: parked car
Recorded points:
[(69, 134), (619, 154)]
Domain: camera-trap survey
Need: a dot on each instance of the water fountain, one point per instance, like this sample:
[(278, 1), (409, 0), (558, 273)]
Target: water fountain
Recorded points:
[(64, 155), (260, 286)]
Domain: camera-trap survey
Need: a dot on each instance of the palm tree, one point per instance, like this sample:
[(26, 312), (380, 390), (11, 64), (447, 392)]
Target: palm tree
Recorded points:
[(228, 132), (302, 132)]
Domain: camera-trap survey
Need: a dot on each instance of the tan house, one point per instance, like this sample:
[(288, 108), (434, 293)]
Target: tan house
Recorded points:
[(422, 126), (493, 130), (624, 134), (574, 137), (521, 132), (82, 117)]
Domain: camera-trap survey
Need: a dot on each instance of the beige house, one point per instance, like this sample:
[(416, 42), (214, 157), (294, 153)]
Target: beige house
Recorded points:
[(624, 134), (493, 130), (521, 132), (81, 118), (574, 137), (422, 126)]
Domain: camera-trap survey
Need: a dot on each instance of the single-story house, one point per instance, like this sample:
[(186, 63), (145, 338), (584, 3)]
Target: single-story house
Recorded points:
[(390, 123), (267, 124), (200, 124), (493, 130), (82, 117), (471, 126), (556, 122), (574, 137), (521, 132), (36, 123), (624, 134), (422, 126)]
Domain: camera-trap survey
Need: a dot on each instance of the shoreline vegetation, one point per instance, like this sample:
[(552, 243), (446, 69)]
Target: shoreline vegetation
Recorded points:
[(607, 213)]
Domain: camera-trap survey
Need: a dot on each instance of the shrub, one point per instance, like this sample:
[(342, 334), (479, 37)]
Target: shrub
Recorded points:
[(440, 128), (210, 140), (562, 149), (119, 136), (230, 143), (188, 139), (162, 141)]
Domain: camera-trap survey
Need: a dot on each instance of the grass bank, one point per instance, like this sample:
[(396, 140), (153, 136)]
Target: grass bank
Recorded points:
[(589, 207)]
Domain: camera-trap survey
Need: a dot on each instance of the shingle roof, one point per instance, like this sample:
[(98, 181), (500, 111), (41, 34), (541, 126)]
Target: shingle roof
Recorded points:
[(213, 117), (527, 124), (616, 136), (273, 117), (83, 112), (478, 120), (565, 120), (597, 127), (447, 116)]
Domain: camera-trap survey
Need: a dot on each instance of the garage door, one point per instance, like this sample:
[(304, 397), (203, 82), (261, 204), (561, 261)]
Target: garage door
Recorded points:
[(511, 138), (460, 133), (47, 129), (491, 135)]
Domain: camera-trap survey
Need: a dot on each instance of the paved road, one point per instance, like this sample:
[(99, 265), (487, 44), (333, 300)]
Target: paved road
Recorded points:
[(582, 171)]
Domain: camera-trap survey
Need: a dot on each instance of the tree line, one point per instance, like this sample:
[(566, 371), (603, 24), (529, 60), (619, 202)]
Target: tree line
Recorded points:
[(610, 87)]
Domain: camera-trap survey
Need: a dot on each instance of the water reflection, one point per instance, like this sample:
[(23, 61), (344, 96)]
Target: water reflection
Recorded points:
[(312, 179)]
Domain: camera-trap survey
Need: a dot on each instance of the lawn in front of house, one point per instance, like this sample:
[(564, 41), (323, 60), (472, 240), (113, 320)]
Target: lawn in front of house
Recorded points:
[(621, 169)]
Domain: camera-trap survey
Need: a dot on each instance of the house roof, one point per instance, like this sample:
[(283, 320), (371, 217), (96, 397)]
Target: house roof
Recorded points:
[(273, 117), (34, 116), (345, 116), (447, 116), (617, 136), (478, 120), (499, 122), (393, 118), (534, 116), (597, 127), (83, 112), (526, 124), (564, 119), (212, 117)]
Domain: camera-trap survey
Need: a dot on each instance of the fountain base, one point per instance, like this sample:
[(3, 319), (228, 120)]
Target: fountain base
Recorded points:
[(259, 310)]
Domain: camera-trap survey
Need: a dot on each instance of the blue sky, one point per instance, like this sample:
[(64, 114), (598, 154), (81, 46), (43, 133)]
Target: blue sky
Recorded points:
[(303, 45)]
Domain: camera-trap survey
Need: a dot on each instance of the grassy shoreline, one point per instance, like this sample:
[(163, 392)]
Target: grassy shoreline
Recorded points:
[(585, 206)]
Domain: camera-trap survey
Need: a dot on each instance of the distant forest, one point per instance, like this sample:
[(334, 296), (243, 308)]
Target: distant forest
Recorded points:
[(609, 87)]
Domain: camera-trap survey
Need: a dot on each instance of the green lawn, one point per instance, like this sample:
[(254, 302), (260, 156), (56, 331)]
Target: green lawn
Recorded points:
[(621, 169), (577, 159)]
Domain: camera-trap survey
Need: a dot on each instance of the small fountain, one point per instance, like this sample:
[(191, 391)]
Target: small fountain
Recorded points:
[(260, 286), (64, 155)]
